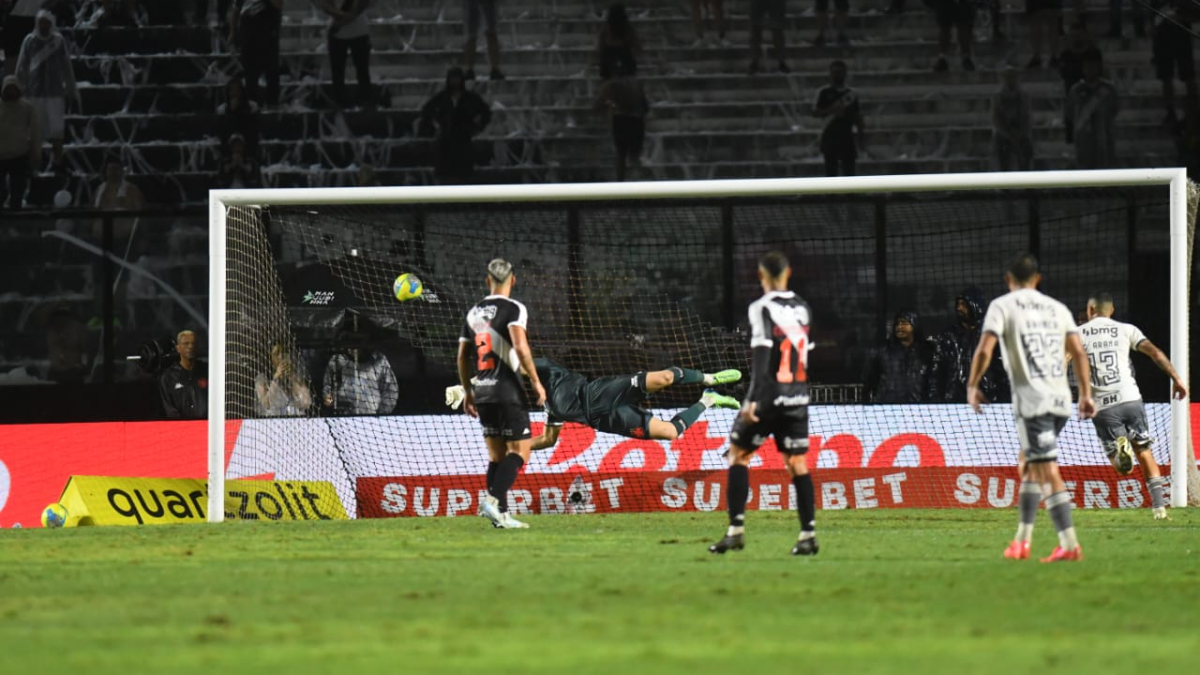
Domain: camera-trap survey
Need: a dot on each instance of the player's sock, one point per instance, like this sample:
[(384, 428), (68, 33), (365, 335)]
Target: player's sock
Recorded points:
[(739, 492), (1028, 498), (506, 475), (491, 473), (686, 375), (805, 503), (1059, 506), (1155, 485), (688, 417)]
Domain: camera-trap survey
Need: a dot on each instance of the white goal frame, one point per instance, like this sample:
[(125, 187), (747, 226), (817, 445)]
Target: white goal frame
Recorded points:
[(220, 200)]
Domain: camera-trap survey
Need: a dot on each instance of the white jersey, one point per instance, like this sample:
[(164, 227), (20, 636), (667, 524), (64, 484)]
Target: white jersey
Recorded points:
[(1032, 329), (1108, 344)]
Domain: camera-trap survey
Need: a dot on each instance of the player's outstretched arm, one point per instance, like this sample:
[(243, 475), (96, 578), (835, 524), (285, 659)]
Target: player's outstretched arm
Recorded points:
[(1083, 376), (525, 356), (464, 378), (979, 366), (1178, 390), (548, 437)]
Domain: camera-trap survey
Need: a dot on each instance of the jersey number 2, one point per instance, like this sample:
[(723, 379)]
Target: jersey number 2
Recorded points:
[(483, 349), (785, 375)]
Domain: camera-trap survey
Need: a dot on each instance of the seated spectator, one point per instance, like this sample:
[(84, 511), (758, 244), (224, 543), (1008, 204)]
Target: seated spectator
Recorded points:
[(626, 102), (899, 371), (20, 144), (1090, 117), (1045, 16), (716, 12), (959, 15), (1173, 55), (617, 45), (285, 392), (475, 10), (117, 193), (238, 115), (838, 105), (840, 8), (46, 75), (349, 32), (238, 168), (1012, 124), (455, 116), (768, 13), (1070, 64)]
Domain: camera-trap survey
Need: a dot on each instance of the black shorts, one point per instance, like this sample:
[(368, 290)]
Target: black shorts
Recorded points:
[(839, 5), (509, 421), (629, 133), (1173, 53), (612, 406), (789, 426), (1039, 437)]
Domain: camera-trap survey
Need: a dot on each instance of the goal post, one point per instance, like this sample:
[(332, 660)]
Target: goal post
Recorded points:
[(222, 202)]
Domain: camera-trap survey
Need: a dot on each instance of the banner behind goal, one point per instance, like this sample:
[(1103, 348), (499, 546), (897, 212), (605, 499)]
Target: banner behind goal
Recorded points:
[(324, 375)]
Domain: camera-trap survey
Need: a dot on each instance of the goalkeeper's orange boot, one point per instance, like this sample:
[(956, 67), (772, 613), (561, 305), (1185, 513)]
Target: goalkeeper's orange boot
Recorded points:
[(1061, 554), (1017, 550)]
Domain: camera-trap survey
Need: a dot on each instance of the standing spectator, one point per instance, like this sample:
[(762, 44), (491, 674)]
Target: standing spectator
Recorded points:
[(1070, 64), (772, 11), (255, 29), (360, 382), (486, 10), (349, 32), (899, 371), (1114, 18), (1012, 124), (952, 352), (183, 386), (838, 105), (1090, 117), (1045, 16), (238, 168), (840, 7), (617, 46), (959, 15), (716, 12), (238, 115), (45, 73), (19, 23), (1173, 54), (625, 99), (456, 116), (20, 143)]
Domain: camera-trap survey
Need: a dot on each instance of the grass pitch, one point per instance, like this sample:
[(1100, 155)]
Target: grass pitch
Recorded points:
[(891, 591)]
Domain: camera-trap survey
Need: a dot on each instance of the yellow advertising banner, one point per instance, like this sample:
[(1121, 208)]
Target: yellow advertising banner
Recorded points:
[(104, 500)]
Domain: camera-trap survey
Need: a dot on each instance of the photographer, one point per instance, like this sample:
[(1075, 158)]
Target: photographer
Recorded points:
[(183, 386)]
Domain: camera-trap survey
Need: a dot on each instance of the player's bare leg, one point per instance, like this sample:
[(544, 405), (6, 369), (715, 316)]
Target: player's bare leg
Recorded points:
[(806, 543), (655, 381), (1155, 483), (1029, 495), (738, 485), (669, 431), (1058, 505)]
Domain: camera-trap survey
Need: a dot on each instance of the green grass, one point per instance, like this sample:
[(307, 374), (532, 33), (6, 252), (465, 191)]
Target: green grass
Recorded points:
[(891, 591)]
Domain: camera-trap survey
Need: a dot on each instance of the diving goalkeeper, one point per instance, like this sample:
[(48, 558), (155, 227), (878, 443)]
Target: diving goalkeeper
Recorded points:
[(612, 404)]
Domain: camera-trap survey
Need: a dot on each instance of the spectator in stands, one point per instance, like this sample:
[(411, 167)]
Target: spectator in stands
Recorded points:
[(840, 7), (285, 392), (1012, 124), (65, 348), (360, 382), (899, 371), (349, 32), (623, 97), (1070, 64), (455, 116), (1045, 17), (1173, 55), (113, 14), (617, 45), (117, 193), (959, 15), (1090, 116), (20, 143), (1114, 18), (366, 176), (838, 105), (716, 12), (767, 13), (474, 11), (238, 168), (239, 115), (45, 72), (255, 29), (19, 23), (183, 386), (953, 350)]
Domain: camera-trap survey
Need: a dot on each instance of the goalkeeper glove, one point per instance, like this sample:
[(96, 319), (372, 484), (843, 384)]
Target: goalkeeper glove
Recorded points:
[(455, 396)]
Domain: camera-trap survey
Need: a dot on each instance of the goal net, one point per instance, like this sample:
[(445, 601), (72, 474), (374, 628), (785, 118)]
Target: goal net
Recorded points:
[(325, 375)]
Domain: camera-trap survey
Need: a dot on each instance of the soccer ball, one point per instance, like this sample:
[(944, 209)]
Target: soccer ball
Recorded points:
[(407, 287), (54, 515)]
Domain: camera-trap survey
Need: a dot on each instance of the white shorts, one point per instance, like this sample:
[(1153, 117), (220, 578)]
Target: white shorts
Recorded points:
[(50, 114)]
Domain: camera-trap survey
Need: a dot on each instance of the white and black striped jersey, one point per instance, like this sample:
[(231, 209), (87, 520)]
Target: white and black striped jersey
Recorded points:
[(779, 323), (1108, 344), (497, 367), (1032, 330)]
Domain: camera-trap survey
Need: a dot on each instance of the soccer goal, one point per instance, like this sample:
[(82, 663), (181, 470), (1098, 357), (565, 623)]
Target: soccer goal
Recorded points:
[(318, 372)]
